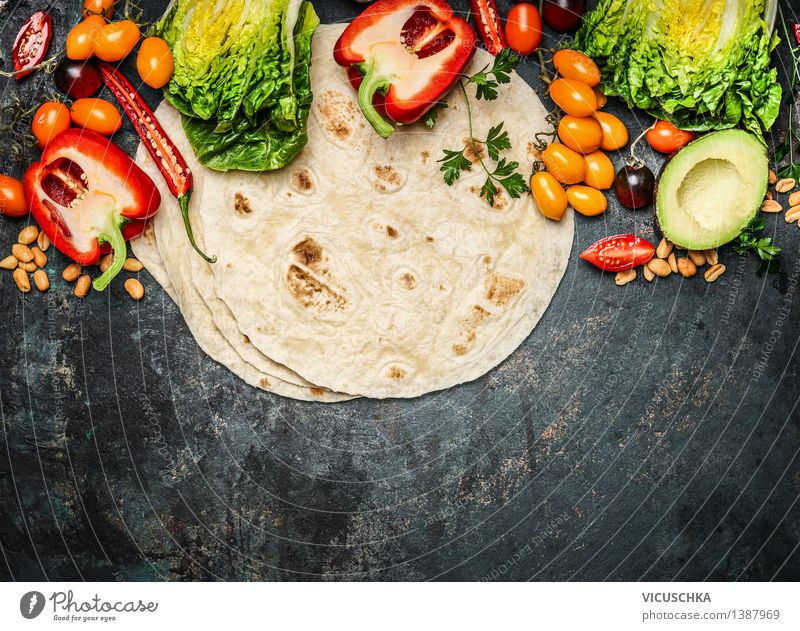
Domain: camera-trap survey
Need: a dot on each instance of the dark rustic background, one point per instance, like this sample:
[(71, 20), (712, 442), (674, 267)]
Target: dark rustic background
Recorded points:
[(646, 432)]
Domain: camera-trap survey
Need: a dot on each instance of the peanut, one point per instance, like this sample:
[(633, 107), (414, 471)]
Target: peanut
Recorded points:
[(664, 249), (135, 289), (22, 252), (39, 257), (712, 258), (714, 272), (41, 280), (794, 199), (793, 214), (28, 235), (106, 262), (28, 267), (672, 264), (22, 280), (771, 206), (43, 241), (785, 185), (10, 262), (71, 272), (133, 265), (83, 285), (698, 257), (648, 274), (772, 177), (659, 267), (686, 268)]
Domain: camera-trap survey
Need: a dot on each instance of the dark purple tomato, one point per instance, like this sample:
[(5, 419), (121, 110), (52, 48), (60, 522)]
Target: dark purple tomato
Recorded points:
[(635, 186), (563, 15), (78, 79)]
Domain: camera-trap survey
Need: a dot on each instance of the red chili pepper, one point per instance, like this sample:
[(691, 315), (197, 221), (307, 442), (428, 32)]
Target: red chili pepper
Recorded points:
[(796, 31), (619, 253), (488, 19), (31, 44), (409, 51), (83, 193), (165, 154)]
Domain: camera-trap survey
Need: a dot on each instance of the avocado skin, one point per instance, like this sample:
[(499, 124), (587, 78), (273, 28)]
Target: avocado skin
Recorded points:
[(760, 162)]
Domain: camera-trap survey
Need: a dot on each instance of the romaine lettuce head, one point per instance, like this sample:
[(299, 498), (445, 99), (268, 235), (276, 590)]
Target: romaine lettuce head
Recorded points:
[(241, 78), (701, 64)]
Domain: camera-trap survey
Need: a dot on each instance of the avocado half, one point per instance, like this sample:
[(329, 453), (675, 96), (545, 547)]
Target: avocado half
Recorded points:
[(711, 189)]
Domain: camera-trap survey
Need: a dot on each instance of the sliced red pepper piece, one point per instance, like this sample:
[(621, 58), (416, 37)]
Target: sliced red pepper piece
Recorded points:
[(411, 52), (487, 18), (83, 193), (619, 253), (32, 43), (165, 154)]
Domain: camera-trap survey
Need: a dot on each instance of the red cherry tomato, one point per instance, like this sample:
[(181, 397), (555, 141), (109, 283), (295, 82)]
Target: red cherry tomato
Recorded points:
[(524, 28), (666, 138), (12, 197), (49, 121), (563, 15), (31, 44), (619, 253)]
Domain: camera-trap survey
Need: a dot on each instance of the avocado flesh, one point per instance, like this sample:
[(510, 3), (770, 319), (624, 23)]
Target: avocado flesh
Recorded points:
[(711, 190)]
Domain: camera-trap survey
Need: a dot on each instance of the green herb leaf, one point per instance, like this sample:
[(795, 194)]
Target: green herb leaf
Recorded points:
[(750, 241), (432, 115), (515, 185), (505, 61), (489, 190), (453, 163), (496, 141)]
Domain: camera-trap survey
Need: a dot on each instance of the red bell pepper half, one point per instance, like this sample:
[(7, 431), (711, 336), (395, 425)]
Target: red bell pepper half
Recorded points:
[(411, 52), (86, 192)]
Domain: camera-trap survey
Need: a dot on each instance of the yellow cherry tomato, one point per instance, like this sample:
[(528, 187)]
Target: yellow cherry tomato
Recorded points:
[(615, 134), (574, 65), (154, 62), (602, 99), (583, 135), (566, 165), (96, 115), (80, 40), (549, 196), (599, 171), (587, 201), (98, 7), (116, 40), (49, 121), (574, 97)]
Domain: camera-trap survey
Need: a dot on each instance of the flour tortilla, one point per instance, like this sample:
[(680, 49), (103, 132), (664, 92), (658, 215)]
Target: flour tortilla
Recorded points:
[(355, 267)]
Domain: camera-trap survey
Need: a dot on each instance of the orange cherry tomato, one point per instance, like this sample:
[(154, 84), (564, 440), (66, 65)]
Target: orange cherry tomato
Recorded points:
[(548, 195), (154, 62), (615, 134), (566, 165), (574, 65), (666, 138), (602, 99), (116, 40), (49, 121), (574, 97), (524, 28), (583, 135), (599, 171), (96, 115), (80, 40), (104, 8), (586, 200), (12, 197)]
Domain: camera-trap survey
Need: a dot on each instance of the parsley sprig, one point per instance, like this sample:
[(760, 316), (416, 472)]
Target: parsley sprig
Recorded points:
[(751, 241), (504, 173)]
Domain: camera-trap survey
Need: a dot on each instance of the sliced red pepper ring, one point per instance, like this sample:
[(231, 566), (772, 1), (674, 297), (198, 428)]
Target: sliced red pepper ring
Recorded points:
[(411, 52), (31, 43), (488, 19), (619, 253), (83, 193), (162, 150)]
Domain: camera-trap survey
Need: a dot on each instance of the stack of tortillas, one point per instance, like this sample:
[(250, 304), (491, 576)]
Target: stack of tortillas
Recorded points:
[(356, 271)]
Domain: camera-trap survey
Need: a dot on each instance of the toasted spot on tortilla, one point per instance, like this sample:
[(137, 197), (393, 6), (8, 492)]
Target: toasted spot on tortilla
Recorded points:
[(317, 392), (308, 252), (501, 289), (487, 260), (245, 339), (429, 239), (473, 151), (408, 281), (338, 114), (265, 382), (397, 373), (391, 232), (425, 157), (469, 332), (459, 349), (313, 293), (301, 181), (387, 178), (241, 204)]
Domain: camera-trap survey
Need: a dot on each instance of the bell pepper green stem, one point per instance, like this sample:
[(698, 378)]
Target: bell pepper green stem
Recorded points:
[(371, 84), (117, 241), (184, 200)]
